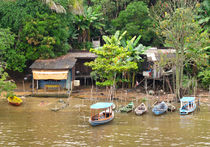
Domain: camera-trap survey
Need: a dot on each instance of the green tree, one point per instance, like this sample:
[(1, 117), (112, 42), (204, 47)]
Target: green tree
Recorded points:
[(175, 21), (43, 37), (6, 86), (112, 60), (136, 21), (203, 15), (7, 39), (40, 33)]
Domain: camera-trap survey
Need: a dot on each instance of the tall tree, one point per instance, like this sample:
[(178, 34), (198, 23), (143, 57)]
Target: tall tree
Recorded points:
[(136, 21), (175, 21)]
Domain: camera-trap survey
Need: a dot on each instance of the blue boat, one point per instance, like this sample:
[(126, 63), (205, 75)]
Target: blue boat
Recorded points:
[(160, 108), (187, 105), (101, 113)]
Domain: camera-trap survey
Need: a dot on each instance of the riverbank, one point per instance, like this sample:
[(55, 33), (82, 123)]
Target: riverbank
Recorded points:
[(121, 95)]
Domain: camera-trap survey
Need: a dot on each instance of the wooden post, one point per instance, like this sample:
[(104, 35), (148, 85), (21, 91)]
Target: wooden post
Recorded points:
[(32, 85), (91, 115), (37, 85), (163, 83), (105, 113), (98, 114), (154, 84), (145, 84), (23, 86)]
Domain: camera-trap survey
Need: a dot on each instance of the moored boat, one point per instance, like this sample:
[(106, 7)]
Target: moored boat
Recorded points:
[(160, 108), (127, 108), (101, 113), (15, 101), (141, 109), (187, 105)]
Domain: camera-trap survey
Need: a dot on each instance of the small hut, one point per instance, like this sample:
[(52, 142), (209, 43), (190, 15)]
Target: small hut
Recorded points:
[(53, 73), (159, 65)]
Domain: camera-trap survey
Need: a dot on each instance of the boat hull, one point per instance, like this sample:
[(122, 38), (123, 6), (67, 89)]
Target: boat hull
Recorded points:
[(140, 112), (185, 112), (15, 104), (101, 122), (157, 110)]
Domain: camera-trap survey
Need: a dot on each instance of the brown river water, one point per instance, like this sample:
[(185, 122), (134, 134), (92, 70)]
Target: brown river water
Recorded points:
[(34, 124)]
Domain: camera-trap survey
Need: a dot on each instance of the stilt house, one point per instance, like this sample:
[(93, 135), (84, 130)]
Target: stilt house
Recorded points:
[(57, 72)]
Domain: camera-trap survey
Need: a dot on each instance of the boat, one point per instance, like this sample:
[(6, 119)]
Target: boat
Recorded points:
[(15, 101), (127, 108), (187, 105), (171, 107), (101, 113), (160, 108), (141, 109)]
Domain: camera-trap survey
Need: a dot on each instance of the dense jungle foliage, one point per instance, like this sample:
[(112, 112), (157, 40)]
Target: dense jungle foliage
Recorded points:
[(33, 29)]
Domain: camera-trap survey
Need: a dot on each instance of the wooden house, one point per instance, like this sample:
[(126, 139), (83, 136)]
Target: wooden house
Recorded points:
[(58, 72), (159, 64), (82, 72)]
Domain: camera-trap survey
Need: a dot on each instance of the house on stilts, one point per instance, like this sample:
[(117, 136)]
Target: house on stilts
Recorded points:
[(158, 67), (55, 73), (59, 75)]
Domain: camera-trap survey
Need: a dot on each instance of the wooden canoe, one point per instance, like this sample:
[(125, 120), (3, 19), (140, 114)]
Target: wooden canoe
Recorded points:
[(15, 101), (141, 109), (127, 108), (160, 108)]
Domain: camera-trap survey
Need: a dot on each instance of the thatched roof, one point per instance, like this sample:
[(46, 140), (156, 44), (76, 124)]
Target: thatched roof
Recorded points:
[(62, 62), (154, 54)]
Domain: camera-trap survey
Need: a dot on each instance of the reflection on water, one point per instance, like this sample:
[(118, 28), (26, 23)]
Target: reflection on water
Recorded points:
[(33, 124)]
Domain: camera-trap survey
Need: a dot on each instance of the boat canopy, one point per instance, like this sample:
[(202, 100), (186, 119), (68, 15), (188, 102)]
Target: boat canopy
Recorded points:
[(101, 105), (187, 99)]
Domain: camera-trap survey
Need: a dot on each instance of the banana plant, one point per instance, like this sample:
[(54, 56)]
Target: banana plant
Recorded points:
[(91, 19)]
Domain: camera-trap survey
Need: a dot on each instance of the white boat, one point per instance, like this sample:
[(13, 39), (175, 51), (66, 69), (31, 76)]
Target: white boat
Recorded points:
[(141, 109)]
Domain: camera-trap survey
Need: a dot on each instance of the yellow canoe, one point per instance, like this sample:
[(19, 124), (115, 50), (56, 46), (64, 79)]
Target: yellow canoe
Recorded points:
[(16, 101)]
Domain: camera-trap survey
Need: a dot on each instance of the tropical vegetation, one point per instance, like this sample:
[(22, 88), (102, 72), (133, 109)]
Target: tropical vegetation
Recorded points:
[(34, 29)]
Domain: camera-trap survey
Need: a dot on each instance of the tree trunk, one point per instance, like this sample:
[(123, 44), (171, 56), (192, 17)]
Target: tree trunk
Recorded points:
[(133, 79), (129, 83), (177, 76), (174, 87), (88, 33)]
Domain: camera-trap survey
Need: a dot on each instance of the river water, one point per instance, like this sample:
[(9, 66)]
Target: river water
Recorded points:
[(33, 124)]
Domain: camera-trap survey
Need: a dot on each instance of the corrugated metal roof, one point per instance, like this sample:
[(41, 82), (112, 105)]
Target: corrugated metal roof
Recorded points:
[(81, 55), (154, 54)]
